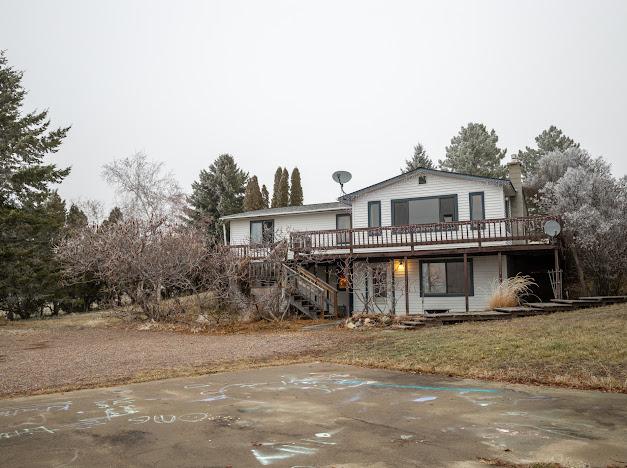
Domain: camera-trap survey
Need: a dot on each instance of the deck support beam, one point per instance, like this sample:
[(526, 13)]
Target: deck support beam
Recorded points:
[(558, 275), (406, 285), (466, 281), (393, 288), (500, 267)]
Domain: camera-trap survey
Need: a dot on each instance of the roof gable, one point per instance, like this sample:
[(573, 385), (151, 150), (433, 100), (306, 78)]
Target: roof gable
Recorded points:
[(347, 198)]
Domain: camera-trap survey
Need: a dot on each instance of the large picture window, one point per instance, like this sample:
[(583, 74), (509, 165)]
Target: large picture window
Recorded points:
[(426, 210), (445, 277), (262, 232)]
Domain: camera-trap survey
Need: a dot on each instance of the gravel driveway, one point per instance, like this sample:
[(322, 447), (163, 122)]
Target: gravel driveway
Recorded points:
[(36, 360)]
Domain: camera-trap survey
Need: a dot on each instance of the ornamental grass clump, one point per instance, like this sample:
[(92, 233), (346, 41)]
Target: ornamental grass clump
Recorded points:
[(511, 291)]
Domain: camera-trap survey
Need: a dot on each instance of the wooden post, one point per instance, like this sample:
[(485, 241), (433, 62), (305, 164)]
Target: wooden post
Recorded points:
[(500, 268), (406, 286), (393, 289), (466, 280), (558, 275)]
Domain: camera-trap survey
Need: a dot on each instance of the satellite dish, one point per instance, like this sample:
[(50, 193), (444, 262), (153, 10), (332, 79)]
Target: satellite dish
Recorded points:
[(552, 228), (341, 177)]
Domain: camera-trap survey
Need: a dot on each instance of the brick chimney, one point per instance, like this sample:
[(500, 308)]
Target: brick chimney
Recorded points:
[(517, 202)]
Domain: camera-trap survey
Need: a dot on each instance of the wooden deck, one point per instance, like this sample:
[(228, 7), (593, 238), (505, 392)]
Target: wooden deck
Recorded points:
[(504, 313)]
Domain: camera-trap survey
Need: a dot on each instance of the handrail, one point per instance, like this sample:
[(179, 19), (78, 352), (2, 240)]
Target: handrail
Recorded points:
[(333, 292), (455, 232)]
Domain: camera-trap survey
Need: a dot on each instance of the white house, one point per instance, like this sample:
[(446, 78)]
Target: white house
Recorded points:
[(426, 241)]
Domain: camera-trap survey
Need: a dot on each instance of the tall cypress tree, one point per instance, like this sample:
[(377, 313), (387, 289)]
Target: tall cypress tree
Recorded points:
[(218, 192), (275, 187), (283, 198), (296, 189), (29, 211), (265, 196), (253, 198)]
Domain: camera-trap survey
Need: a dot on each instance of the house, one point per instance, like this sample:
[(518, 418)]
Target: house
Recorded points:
[(426, 241)]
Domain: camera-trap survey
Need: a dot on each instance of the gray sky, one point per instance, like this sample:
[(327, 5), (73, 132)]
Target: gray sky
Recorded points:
[(322, 85)]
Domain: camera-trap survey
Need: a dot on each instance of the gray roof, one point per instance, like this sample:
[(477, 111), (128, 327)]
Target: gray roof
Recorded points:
[(287, 210), (421, 170)]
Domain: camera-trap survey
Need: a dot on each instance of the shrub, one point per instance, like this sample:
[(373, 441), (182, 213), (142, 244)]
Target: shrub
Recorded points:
[(511, 291)]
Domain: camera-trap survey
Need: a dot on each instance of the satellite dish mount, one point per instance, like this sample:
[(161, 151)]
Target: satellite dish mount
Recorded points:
[(341, 177)]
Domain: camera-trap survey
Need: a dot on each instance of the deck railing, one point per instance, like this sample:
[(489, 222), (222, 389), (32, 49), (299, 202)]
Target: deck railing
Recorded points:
[(466, 233)]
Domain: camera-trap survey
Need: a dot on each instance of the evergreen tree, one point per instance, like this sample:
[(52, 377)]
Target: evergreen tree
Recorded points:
[(296, 189), (275, 188), (75, 218), (115, 216), (420, 159), (283, 197), (253, 198), (474, 151), (265, 196), (218, 192), (551, 139), (30, 213)]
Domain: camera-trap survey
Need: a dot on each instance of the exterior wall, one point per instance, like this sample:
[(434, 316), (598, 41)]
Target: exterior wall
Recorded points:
[(494, 204), (436, 185), (485, 273), (240, 228)]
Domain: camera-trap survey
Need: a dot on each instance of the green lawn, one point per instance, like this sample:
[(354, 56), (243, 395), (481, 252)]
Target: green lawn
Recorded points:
[(582, 349)]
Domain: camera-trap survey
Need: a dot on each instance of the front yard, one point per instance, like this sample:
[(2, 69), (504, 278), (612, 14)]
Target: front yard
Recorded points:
[(582, 349)]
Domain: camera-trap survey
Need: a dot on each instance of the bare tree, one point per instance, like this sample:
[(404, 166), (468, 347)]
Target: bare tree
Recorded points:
[(142, 259), (145, 188)]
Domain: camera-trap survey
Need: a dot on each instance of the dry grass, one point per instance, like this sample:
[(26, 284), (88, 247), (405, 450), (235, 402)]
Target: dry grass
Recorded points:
[(508, 293), (583, 349)]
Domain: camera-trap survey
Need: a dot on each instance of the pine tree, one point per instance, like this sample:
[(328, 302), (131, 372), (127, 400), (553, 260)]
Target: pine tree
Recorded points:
[(30, 213), (218, 192), (265, 196), (253, 199), (552, 139), (76, 218), (115, 216), (420, 159), (474, 151), (283, 197), (296, 189), (275, 188)]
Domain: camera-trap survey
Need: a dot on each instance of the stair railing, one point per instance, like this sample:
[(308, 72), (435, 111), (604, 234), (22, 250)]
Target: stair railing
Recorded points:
[(306, 288), (330, 292)]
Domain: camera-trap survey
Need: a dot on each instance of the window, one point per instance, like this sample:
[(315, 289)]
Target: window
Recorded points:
[(343, 221), (426, 210), (445, 278), (422, 179), (477, 206), (380, 280), (374, 214), (262, 232)]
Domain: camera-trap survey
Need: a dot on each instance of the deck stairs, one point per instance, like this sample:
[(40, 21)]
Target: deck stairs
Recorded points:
[(307, 294)]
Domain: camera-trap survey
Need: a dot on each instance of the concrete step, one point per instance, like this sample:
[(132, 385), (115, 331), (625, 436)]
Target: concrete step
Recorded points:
[(521, 311)]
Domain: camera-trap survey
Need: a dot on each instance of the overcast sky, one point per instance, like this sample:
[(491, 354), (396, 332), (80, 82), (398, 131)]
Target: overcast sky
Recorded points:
[(320, 85)]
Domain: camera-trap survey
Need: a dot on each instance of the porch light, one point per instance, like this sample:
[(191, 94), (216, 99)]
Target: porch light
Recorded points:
[(400, 266)]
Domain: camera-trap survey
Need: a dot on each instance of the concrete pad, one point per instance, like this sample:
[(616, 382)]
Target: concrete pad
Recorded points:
[(313, 415)]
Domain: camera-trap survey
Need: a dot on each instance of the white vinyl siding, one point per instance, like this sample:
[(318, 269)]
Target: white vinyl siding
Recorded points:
[(436, 186), (485, 272), (240, 228)]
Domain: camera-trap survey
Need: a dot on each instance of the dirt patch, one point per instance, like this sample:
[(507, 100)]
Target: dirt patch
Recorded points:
[(58, 358)]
